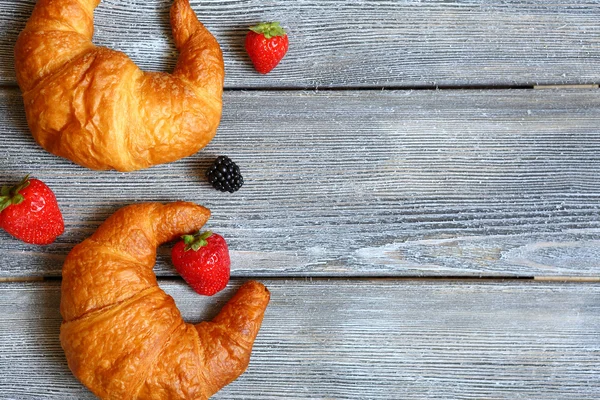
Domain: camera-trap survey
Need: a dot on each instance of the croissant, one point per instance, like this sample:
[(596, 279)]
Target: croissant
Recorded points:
[(95, 107), (124, 338)]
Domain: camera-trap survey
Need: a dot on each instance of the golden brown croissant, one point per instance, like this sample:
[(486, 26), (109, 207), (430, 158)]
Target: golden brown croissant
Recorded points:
[(124, 338), (95, 107)]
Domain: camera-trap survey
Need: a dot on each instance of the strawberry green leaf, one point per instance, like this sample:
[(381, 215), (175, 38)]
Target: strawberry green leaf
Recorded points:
[(4, 202), (10, 195), (188, 239), (268, 29), (195, 242), (196, 245)]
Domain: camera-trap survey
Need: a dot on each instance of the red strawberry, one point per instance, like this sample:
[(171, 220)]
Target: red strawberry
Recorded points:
[(203, 261), (266, 44), (29, 212)]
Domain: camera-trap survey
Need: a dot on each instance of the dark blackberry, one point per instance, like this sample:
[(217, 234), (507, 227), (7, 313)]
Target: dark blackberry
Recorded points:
[(224, 175)]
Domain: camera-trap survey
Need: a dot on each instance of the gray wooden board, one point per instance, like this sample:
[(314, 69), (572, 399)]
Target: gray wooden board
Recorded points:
[(371, 43), (359, 339), (355, 183)]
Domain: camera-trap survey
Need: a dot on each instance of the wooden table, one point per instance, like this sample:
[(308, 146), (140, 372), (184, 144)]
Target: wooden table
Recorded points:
[(422, 199)]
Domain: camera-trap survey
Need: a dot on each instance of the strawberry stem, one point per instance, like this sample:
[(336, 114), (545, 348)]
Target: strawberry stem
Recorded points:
[(268, 29), (10, 195), (195, 242)]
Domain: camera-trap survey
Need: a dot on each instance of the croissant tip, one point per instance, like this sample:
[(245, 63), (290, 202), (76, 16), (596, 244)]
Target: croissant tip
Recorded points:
[(257, 286), (257, 291)]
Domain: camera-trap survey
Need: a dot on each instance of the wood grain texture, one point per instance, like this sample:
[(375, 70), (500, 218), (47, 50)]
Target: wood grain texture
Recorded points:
[(393, 183), (381, 339), (370, 43)]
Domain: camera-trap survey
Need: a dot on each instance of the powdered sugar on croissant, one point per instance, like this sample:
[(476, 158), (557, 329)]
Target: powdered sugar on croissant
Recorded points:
[(94, 106), (124, 338)]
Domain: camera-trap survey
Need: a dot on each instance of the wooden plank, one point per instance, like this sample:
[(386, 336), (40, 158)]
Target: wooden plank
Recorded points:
[(371, 43), (380, 339), (393, 183)]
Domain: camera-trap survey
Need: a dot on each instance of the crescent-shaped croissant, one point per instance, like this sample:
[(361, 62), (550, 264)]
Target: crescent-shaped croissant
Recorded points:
[(123, 336), (94, 106)]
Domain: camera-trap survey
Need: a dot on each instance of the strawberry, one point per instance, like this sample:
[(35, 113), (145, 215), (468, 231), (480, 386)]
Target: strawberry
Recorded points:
[(266, 44), (29, 212), (203, 262)]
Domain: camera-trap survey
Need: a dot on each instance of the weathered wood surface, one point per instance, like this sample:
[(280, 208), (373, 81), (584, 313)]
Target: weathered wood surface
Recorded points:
[(355, 183), (380, 339), (371, 43)]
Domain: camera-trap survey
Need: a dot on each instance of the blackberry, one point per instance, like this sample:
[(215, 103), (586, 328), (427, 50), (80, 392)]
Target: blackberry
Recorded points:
[(224, 175)]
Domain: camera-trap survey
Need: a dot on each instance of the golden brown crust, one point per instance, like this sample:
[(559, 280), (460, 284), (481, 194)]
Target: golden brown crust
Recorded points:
[(95, 107), (124, 338)]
